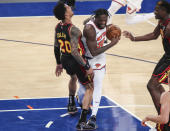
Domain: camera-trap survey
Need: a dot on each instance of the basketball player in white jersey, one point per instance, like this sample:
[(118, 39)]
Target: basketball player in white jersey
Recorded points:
[(94, 35), (133, 6)]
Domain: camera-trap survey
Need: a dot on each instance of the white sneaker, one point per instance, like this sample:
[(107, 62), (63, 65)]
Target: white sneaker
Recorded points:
[(137, 18), (152, 129)]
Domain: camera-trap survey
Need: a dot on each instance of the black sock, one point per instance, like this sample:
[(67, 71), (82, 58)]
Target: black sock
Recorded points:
[(83, 115), (71, 99)]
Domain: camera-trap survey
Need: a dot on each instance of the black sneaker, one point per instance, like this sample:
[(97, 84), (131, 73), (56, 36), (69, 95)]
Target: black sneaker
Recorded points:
[(92, 122), (71, 108), (84, 126)]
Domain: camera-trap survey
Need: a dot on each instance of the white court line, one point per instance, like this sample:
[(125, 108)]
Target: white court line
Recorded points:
[(40, 109), (148, 21), (21, 118), (63, 115), (33, 98), (64, 108), (49, 124), (127, 111)]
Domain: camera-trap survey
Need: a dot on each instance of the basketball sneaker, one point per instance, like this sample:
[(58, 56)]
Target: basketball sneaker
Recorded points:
[(137, 18), (71, 108), (92, 122), (152, 129), (84, 126)]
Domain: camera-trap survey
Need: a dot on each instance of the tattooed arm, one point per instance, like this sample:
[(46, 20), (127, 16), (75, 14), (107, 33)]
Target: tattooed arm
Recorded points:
[(75, 34)]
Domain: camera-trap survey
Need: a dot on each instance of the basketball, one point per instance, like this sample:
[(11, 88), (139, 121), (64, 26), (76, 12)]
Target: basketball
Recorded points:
[(113, 31)]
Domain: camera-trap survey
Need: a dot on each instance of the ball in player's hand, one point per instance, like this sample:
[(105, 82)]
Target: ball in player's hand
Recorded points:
[(113, 31)]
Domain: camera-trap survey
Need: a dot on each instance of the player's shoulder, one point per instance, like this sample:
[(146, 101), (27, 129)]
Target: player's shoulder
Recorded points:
[(89, 29), (88, 26), (75, 29)]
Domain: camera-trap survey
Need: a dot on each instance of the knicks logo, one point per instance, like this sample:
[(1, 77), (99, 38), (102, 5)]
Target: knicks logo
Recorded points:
[(97, 65)]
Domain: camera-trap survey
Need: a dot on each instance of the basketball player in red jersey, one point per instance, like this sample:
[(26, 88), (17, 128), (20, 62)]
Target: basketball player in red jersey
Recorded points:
[(160, 73), (69, 54)]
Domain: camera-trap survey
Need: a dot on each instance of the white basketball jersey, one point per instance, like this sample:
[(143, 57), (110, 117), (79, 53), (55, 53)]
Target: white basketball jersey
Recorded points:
[(99, 61)]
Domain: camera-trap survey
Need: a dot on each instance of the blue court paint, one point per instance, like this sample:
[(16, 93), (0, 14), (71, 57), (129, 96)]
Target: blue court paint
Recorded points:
[(108, 119), (46, 8)]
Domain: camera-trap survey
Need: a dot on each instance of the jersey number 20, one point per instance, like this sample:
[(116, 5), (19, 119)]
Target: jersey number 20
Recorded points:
[(66, 47)]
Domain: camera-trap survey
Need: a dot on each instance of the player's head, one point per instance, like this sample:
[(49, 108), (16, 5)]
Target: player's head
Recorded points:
[(62, 11), (101, 16), (162, 9)]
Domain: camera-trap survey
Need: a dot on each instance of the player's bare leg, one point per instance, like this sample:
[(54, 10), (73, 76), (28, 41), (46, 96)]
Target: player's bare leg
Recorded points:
[(98, 82), (155, 89), (114, 7), (72, 90), (82, 125), (134, 6)]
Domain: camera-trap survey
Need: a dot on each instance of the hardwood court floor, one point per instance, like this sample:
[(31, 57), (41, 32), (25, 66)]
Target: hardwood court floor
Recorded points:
[(27, 64)]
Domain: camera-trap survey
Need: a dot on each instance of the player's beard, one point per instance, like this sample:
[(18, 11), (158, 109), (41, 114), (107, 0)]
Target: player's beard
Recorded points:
[(101, 26)]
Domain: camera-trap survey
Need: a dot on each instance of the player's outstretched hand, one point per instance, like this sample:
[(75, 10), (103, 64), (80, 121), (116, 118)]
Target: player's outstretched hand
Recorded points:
[(128, 35), (59, 70)]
